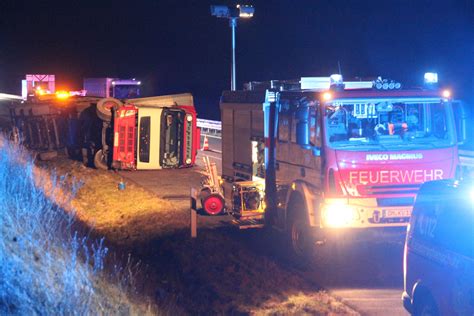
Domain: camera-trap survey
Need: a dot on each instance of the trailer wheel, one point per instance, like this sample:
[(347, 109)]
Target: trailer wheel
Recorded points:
[(213, 204), (299, 231), (100, 160), (104, 108), (205, 192)]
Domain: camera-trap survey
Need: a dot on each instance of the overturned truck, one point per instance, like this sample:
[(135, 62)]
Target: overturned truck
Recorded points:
[(144, 133)]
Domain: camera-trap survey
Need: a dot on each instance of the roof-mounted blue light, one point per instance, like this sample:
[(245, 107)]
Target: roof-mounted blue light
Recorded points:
[(431, 78), (336, 81)]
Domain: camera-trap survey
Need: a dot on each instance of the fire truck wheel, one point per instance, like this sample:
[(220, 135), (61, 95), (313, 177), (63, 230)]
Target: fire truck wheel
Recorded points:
[(104, 108), (100, 160), (213, 204), (299, 229)]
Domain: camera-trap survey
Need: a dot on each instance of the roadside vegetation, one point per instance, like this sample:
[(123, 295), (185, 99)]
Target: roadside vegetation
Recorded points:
[(46, 266)]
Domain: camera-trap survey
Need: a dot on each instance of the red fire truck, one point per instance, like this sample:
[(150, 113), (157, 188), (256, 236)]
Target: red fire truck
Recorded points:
[(323, 157)]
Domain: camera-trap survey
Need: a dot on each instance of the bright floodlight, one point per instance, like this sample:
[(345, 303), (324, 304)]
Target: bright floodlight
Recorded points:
[(245, 11), (431, 77), (233, 14), (220, 11)]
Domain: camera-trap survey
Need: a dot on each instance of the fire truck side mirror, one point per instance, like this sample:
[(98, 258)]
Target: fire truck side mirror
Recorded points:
[(460, 117), (302, 127)]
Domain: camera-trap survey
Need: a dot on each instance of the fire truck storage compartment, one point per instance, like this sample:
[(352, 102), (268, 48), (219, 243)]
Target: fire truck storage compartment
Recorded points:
[(242, 125)]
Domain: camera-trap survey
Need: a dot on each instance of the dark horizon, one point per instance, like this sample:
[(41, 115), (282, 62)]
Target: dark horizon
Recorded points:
[(181, 48)]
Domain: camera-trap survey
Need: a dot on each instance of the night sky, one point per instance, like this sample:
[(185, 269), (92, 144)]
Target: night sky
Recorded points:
[(177, 46)]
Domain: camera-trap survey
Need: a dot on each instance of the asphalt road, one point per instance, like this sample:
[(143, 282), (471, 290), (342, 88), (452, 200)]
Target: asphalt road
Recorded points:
[(365, 276), (214, 152)]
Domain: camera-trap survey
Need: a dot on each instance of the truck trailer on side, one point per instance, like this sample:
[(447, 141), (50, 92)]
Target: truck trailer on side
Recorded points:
[(332, 157)]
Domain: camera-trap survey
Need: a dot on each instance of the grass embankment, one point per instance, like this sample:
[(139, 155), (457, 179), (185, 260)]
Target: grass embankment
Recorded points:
[(46, 268), (122, 216), (221, 272)]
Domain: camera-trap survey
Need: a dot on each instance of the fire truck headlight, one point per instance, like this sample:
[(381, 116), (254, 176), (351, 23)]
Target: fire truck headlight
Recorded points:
[(189, 118), (446, 93), (338, 214), (327, 96), (188, 161)]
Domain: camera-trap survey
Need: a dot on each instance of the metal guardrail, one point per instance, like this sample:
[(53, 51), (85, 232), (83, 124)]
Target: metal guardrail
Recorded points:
[(10, 97), (209, 127)]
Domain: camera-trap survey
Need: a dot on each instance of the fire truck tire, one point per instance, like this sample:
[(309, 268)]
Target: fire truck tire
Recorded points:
[(298, 230), (100, 160), (104, 108), (213, 204), (48, 155)]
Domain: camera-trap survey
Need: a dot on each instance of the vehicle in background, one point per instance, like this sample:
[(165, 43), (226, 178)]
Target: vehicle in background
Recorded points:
[(112, 88), (38, 84), (438, 259), (146, 133), (328, 158)]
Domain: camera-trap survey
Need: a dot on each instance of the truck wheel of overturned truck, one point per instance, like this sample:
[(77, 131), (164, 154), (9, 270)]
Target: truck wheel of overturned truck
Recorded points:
[(299, 231), (100, 160), (104, 108), (213, 204)]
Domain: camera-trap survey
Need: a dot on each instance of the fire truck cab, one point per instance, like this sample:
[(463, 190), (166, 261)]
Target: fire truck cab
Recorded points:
[(334, 156)]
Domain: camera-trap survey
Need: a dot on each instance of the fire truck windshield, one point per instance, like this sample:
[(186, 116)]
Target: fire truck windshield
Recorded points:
[(388, 124)]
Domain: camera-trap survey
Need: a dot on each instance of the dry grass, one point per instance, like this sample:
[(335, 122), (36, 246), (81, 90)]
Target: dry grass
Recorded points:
[(133, 214), (46, 268), (319, 303), (219, 273)]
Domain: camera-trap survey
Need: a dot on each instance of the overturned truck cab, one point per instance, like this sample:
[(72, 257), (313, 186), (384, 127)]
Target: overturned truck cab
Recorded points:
[(155, 133)]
